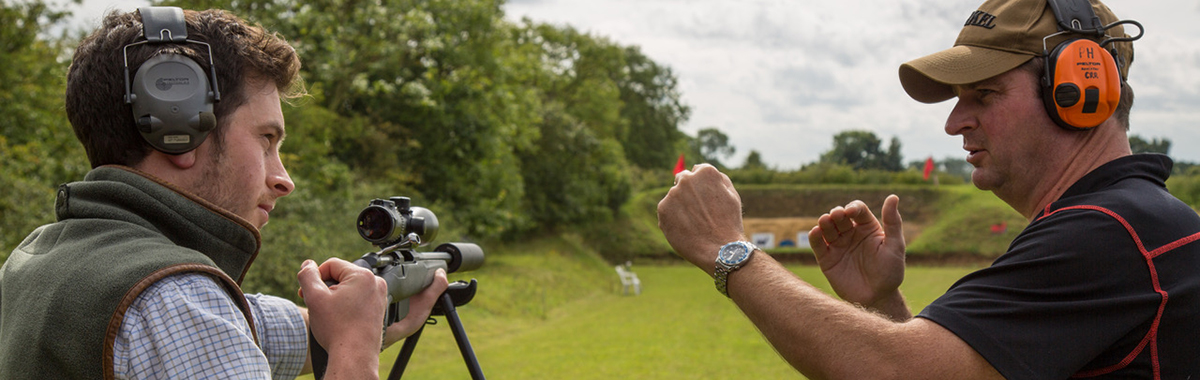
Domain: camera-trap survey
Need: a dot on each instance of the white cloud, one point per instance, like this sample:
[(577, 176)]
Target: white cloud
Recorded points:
[(782, 77)]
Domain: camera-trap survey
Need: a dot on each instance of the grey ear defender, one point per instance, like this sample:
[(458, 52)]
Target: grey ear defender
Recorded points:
[(171, 97), (171, 103)]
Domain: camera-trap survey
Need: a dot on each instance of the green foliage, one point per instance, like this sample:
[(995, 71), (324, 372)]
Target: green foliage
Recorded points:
[(580, 73), (573, 176), (892, 159), (654, 108), (633, 235), (957, 167), (829, 173), (304, 226), (917, 203), (576, 172), (308, 152), (1186, 186), (1156, 145), (432, 101), (37, 145), (860, 150), (951, 166), (713, 146), (448, 97), (1183, 167), (643, 179), (754, 162)]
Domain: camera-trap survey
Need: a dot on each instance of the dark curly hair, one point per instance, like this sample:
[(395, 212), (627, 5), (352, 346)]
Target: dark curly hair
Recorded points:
[(95, 103)]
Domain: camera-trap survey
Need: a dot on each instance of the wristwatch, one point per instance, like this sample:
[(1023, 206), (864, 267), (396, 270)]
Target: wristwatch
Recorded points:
[(730, 258)]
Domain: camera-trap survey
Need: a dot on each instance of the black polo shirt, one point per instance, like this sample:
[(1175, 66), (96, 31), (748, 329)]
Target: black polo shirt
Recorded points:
[(1104, 283)]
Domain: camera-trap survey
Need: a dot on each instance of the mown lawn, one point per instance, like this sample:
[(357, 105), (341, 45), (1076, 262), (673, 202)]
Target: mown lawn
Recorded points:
[(678, 328)]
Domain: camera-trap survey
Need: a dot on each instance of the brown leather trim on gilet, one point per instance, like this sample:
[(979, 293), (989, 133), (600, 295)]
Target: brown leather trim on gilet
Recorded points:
[(114, 324)]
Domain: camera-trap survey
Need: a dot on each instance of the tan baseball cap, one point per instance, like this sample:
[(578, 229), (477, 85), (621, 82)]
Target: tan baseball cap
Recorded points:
[(1000, 36)]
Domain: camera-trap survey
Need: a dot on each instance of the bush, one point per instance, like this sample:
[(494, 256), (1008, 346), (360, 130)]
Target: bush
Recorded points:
[(827, 174), (1186, 186), (633, 235)]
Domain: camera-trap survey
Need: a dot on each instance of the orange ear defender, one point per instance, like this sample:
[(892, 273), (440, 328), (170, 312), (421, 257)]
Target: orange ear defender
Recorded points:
[(1082, 84)]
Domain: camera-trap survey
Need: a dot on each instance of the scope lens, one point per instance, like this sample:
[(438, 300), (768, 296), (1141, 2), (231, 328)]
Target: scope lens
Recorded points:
[(375, 224)]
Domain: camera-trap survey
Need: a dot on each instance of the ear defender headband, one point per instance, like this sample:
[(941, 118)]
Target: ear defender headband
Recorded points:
[(1082, 82), (170, 94)]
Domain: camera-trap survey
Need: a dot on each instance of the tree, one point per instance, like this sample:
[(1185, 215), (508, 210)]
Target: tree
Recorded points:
[(1139, 145), (754, 161), (573, 177), (654, 109), (38, 150), (892, 161), (576, 171), (957, 167), (860, 150), (586, 70), (445, 109), (447, 97), (713, 146)]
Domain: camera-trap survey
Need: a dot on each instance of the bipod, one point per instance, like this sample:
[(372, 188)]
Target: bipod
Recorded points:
[(457, 294)]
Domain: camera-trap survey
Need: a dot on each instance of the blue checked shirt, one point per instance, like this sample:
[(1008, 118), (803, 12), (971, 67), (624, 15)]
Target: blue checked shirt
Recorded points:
[(186, 327)]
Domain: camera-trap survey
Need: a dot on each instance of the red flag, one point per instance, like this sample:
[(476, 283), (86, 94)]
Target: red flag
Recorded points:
[(1000, 228), (679, 165), (928, 167)]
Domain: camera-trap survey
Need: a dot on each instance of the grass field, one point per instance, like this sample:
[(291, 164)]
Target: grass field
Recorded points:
[(678, 328)]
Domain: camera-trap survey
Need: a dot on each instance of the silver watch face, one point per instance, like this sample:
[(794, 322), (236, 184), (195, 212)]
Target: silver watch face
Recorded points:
[(734, 253)]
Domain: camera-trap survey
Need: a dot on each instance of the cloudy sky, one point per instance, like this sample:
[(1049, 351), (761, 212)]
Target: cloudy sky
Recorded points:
[(782, 77)]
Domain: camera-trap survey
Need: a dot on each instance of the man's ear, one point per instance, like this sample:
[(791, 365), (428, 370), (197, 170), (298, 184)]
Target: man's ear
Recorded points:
[(183, 160)]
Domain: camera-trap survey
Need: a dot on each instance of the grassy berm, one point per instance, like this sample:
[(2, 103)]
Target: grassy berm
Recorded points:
[(956, 224)]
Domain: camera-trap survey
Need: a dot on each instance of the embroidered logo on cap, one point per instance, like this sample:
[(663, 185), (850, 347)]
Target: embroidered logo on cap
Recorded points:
[(981, 18)]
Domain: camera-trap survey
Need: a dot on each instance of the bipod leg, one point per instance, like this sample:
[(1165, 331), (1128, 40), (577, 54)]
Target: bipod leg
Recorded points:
[(406, 351), (460, 336)]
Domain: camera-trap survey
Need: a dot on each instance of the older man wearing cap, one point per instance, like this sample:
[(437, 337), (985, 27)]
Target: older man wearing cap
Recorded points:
[(1103, 283)]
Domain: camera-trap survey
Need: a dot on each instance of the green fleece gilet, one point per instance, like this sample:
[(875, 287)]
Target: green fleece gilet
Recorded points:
[(65, 288)]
